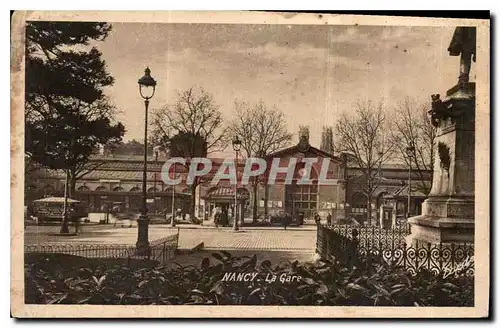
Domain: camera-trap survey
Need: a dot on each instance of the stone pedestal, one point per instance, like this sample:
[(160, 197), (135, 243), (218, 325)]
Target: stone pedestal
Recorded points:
[(142, 232), (448, 212)]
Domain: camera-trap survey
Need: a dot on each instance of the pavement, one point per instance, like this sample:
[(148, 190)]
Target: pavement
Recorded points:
[(297, 240), (251, 239), (95, 234), (209, 224)]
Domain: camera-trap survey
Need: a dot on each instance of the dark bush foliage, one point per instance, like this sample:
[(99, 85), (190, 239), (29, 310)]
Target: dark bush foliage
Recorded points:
[(64, 279)]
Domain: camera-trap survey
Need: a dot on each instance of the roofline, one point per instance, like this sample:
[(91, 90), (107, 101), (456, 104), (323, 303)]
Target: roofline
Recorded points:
[(388, 167), (324, 153)]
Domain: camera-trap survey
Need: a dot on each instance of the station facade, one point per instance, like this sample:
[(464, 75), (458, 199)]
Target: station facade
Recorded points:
[(118, 180)]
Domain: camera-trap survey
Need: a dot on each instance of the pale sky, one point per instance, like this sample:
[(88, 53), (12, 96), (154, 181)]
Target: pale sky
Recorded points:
[(311, 72)]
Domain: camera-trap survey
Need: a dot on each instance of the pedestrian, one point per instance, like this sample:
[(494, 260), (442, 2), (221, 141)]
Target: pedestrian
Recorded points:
[(286, 220), (77, 223), (329, 219), (224, 217), (216, 219), (317, 219)]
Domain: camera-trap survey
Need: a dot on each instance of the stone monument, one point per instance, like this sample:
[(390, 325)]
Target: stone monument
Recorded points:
[(448, 212)]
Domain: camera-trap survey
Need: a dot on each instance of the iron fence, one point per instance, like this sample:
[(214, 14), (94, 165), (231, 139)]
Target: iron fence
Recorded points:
[(160, 250), (363, 246), (372, 236)]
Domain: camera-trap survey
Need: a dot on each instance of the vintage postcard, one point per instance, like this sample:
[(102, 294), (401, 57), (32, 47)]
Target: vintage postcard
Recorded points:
[(249, 164)]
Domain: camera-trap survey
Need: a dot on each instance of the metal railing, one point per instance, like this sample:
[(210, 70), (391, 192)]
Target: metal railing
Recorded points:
[(363, 246), (160, 250)]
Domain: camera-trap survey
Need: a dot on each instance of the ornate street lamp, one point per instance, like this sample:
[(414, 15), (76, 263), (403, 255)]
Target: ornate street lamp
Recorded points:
[(147, 87), (173, 200), (65, 227), (236, 148), (409, 152)]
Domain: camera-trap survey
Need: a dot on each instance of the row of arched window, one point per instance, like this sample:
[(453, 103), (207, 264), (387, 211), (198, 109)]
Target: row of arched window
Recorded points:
[(221, 191), (121, 189)]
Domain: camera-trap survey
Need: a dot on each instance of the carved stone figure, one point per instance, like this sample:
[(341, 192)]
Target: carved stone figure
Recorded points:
[(438, 110), (463, 44)]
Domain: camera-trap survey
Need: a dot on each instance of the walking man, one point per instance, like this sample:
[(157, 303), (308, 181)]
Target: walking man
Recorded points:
[(329, 219)]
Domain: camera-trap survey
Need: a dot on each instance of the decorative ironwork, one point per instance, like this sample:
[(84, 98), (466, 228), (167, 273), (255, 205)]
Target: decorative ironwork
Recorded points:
[(367, 245)]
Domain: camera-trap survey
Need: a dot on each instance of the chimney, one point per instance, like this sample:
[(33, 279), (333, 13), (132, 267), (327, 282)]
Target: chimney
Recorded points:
[(304, 133), (327, 140)]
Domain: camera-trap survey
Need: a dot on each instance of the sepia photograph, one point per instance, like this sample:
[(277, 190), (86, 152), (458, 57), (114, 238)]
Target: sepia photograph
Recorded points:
[(234, 164)]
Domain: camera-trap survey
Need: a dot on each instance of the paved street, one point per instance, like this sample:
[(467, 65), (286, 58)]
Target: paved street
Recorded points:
[(265, 239), (221, 238), (95, 234)]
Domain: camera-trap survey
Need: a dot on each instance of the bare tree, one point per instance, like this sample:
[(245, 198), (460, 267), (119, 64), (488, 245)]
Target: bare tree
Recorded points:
[(262, 131), (190, 127), (414, 136), (362, 134)]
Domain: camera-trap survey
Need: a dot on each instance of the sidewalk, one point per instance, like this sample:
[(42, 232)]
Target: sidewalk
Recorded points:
[(254, 239), (211, 225)]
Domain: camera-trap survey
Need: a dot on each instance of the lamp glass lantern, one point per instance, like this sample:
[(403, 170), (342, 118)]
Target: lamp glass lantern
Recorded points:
[(236, 143), (147, 85), (409, 151)]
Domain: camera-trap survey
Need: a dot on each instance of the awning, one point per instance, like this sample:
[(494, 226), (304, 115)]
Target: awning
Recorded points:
[(226, 193), (55, 200)]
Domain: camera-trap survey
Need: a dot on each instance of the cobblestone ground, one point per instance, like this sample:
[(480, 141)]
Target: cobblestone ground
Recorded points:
[(222, 238), (290, 240), (274, 245), (96, 234)]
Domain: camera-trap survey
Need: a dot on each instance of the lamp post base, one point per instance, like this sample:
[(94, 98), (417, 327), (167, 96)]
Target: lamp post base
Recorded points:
[(65, 226), (143, 232)]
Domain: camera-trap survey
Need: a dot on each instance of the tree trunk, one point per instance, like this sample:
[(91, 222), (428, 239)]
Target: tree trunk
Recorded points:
[(266, 197), (72, 185), (369, 211), (192, 201), (241, 213), (254, 205)]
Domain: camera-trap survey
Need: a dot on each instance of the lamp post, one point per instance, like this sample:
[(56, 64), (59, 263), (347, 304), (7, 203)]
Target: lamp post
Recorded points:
[(64, 227), (146, 84), (154, 184), (409, 152), (173, 201), (236, 148)]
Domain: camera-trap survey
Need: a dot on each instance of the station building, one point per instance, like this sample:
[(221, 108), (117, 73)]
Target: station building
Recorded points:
[(118, 180)]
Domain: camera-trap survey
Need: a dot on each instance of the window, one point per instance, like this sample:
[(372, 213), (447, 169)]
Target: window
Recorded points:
[(305, 197)]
